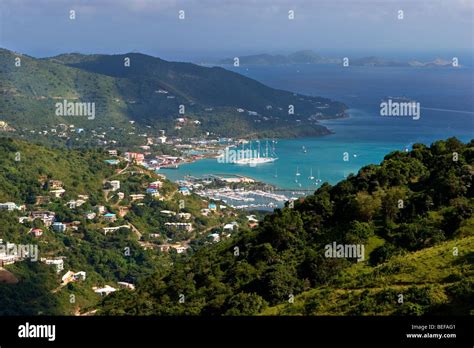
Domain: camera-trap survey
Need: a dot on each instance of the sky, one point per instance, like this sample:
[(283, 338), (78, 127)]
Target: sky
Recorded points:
[(225, 28)]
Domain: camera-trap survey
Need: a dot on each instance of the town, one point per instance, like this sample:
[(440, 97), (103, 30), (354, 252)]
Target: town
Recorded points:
[(187, 214)]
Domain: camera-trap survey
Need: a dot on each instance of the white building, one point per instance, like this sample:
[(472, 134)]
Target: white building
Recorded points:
[(125, 285), (180, 226), (10, 206), (59, 263), (105, 290), (115, 184)]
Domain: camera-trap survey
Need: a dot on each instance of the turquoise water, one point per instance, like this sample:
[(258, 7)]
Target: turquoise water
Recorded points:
[(365, 136)]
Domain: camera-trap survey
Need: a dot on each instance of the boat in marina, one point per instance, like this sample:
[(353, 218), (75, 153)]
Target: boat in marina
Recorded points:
[(252, 158)]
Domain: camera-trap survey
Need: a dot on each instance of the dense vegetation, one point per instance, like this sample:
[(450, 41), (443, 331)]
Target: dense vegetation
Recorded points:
[(150, 91), (413, 214)]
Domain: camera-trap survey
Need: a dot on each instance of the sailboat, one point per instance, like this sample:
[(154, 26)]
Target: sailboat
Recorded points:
[(311, 177), (276, 174), (304, 149), (318, 180), (297, 174)]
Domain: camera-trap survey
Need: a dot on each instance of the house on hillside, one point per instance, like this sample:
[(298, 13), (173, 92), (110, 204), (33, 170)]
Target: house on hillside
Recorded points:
[(137, 196), (42, 200), (156, 184), (100, 209), (57, 193), (73, 277), (107, 289), (37, 232), (184, 191), (59, 227), (125, 285), (10, 206), (47, 217), (55, 184), (113, 229), (110, 217), (214, 237), (252, 221), (152, 191), (59, 263), (230, 227), (180, 248), (161, 139), (115, 184), (138, 158), (90, 215), (179, 226)]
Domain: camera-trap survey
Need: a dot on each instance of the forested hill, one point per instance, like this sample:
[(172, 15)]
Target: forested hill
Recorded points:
[(412, 213), (151, 91)]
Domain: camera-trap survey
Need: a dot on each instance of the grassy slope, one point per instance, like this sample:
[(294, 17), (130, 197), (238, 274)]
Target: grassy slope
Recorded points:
[(431, 270)]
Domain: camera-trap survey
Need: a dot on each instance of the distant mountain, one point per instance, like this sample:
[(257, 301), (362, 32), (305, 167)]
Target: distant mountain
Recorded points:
[(300, 57), (438, 62), (381, 62), (376, 61), (150, 91), (310, 57)]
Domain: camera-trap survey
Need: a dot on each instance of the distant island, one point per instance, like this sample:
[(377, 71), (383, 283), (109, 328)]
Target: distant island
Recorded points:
[(310, 57)]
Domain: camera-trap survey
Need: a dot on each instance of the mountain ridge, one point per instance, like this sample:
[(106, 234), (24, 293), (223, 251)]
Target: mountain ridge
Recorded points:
[(152, 91)]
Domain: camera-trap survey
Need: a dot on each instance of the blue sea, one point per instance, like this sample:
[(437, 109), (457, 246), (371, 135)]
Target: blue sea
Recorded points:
[(366, 136)]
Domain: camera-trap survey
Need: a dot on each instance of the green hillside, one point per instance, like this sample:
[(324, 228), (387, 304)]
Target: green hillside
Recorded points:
[(25, 178), (408, 213), (431, 281), (420, 248), (31, 287), (150, 91)]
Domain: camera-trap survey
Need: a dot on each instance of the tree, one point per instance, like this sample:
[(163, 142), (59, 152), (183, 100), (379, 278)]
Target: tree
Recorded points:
[(245, 304)]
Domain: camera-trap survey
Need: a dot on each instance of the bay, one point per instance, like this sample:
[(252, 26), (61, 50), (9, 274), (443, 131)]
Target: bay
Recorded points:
[(365, 137)]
